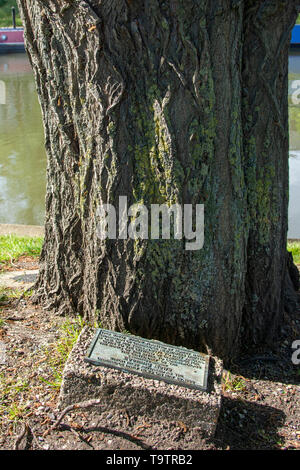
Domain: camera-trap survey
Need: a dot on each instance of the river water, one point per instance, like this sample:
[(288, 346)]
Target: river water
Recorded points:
[(22, 154)]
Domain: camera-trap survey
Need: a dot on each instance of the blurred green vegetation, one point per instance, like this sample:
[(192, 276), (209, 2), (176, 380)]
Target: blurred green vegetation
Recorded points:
[(294, 247), (6, 15)]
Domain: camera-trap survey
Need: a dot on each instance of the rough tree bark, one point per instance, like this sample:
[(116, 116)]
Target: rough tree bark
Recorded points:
[(176, 101)]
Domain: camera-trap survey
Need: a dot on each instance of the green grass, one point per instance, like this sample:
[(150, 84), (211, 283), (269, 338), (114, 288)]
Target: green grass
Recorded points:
[(12, 247), (294, 247), (10, 397), (7, 294), (233, 383), (57, 354), (5, 13), (15, 393)]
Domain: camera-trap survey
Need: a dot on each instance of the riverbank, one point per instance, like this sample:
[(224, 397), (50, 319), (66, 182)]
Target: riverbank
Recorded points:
[(22, 230)]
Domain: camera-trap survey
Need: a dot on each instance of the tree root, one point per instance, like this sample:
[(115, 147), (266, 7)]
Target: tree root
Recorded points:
[(75, 406)]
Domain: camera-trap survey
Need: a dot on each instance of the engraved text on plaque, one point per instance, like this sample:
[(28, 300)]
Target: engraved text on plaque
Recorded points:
[(149, 358)]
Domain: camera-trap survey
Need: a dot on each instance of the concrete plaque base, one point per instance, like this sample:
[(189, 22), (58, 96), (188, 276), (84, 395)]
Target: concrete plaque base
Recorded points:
[(150, 398)]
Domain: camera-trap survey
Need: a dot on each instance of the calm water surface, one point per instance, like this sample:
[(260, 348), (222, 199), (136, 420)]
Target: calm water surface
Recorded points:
[(22, 155)]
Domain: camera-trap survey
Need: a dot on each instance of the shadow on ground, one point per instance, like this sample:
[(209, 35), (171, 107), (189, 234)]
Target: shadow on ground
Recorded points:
[(246, 425)]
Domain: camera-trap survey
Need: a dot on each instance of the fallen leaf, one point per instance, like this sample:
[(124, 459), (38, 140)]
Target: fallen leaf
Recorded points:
[(182, 426)]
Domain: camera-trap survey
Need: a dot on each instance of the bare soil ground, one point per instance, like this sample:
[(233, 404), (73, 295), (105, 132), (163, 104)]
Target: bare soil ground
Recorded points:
[(260, 405), (23, 263)]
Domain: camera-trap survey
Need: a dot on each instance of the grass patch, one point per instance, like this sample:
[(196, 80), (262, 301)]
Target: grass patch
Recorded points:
[(18, 394), (57, 354), (12, 247), (10, 394), (8, 294), (294, 247), (233, 383), (5, 13)]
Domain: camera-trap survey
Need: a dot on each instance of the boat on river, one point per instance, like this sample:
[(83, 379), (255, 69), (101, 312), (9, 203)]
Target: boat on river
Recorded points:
[(12, 39), (295, 41)]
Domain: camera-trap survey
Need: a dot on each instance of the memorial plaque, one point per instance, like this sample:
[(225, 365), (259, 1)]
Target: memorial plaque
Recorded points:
[(149, 358)]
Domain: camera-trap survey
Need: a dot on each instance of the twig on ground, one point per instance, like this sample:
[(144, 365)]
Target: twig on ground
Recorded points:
[(127, 417), (141, 427), (14, 318), (75, 406)]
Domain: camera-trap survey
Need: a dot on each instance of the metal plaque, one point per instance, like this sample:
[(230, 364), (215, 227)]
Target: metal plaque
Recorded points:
[(149, 358)]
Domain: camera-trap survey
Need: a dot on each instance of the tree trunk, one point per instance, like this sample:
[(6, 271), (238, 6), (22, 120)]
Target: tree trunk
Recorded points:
[(166, 102), (267, 29)]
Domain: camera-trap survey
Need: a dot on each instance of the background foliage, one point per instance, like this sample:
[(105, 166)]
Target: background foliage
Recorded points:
[(5, 13)]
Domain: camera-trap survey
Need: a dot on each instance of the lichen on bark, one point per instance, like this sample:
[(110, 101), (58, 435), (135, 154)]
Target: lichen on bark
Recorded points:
[(158, 101)]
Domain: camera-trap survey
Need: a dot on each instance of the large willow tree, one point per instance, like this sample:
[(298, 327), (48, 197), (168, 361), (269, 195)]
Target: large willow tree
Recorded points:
[(173, 101)]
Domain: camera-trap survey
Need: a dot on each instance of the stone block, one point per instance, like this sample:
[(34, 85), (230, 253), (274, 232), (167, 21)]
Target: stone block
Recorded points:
[(154, 399)]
